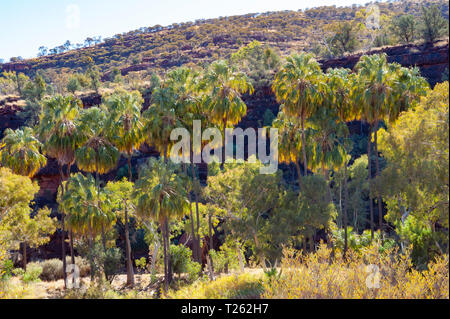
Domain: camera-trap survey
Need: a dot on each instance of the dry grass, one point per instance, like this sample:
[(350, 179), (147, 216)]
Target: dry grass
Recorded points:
[(370, 274)]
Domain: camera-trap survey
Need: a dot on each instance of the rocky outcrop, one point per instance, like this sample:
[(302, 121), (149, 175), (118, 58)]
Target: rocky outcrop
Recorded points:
[(9, 108), (432, 60)]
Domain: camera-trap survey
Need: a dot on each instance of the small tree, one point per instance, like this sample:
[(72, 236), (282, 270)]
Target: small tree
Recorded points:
[(404, 28), (433, 23)]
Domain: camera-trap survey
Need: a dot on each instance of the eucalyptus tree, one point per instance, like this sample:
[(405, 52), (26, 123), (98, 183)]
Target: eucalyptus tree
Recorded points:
[(223, 87), (161, 196), (119, 194), (20, 151), (299, 86), (58, 132)]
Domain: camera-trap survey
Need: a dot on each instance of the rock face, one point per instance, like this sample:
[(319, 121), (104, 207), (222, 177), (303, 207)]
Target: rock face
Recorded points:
[(9, 107), (432, 60)]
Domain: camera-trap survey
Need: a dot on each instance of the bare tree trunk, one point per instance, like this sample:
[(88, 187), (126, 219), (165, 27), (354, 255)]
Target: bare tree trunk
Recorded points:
[(369, 178)]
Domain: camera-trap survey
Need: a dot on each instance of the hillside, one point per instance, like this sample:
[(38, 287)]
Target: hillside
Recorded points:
[(158, 48)]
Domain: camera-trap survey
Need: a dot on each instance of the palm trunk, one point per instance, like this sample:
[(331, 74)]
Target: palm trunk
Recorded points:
[(169, 261), (369, 178), (191, 216), (223, 143), (129, 167), (72, 256), (344, 208), (299, 174), (130, 271), (63, 231), (377, 167), (199, 249), (24, 252), (166, 272), (305, 163), (211, 264)]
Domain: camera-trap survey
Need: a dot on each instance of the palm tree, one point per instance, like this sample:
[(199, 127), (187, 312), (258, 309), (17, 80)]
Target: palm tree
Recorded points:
[(57, 131), (340, 83), (290, 141), (299, 86), (327, 133), (224, 86), (96, 153), (160, 195), (189, 107), (85, 216), (126, 132), (160, 119), (20, 151), (383, 91), (373, 95)]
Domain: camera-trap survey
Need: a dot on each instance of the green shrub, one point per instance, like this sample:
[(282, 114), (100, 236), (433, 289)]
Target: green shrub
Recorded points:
[(52, 269), (31, 274), (181, 261)]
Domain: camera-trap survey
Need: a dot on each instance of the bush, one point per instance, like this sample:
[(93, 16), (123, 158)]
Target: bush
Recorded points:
[(241, 286), (181, 261), (31, 274), (52, 269), (112, 261), (314, 276)]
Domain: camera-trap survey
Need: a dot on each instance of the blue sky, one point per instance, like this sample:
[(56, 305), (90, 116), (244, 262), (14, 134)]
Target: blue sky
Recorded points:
[(25, 25)]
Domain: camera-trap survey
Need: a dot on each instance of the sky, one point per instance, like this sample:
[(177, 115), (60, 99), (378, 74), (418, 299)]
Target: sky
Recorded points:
[(25, 25)]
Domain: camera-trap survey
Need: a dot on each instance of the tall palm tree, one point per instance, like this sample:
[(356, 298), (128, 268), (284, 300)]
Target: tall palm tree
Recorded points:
[(57, 130), (340, 83), (81, 200), (160, 119), (125, 128), (299, 86), (290, 141), (96, 153), (224, 86), (373, 95), (327, 133), (383, 91), (160, 195), (189, 107), (20, 151)]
